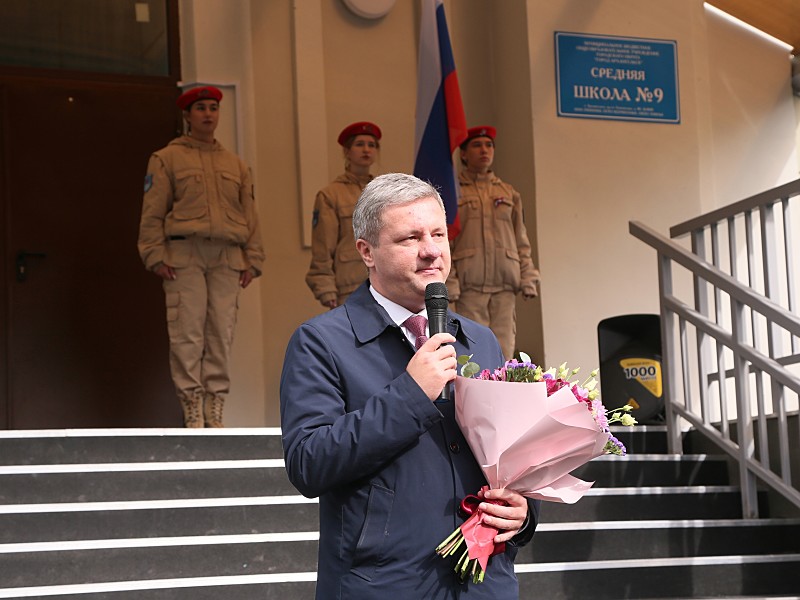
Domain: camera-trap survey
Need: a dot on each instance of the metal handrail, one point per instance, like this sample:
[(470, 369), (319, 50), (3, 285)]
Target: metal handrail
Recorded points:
[(769, 228), (739, 363), (787, 190), (715, 277)]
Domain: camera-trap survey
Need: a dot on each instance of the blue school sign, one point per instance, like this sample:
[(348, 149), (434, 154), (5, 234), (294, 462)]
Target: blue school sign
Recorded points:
[(619, 78)]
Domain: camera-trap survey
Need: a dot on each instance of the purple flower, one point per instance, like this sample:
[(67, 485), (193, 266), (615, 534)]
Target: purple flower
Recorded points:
[(614, 446)]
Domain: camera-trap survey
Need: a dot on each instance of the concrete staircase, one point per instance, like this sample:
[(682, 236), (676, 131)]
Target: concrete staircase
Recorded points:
[(657, 525), (152, 513), (182, 514)]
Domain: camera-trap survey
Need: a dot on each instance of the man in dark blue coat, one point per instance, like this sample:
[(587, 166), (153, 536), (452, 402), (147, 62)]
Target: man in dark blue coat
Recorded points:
[(363, 428)]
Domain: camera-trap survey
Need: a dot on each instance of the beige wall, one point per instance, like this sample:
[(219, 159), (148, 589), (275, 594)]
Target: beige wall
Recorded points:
[(285, 299), (582, 180), (752, 111), (594, 176)]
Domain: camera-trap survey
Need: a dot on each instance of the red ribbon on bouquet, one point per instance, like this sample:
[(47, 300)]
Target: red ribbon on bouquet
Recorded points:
[(479, 536), (476, 535)]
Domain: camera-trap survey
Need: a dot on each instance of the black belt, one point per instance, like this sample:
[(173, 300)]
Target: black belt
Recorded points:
[(176, 237)]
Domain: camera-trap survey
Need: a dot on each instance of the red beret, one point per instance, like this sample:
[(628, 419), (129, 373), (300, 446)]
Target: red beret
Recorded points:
[(199, 93), (360, 128), (481, 131)]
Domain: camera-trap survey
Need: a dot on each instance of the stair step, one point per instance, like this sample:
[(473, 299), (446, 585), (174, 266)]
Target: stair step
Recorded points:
[(673, 578), (573, 542), (655, 469), (671, 503), (238, 516), (175, 558), (712, 577), (642, 439), (292, 551), (175, 480), (280, 586), (42, 447), (748, 597)]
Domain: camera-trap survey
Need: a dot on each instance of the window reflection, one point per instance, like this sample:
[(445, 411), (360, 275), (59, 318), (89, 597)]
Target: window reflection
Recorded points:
[(105, 36)]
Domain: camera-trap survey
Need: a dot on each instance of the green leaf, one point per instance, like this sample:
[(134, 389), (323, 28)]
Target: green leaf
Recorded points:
[(470, 369), (463, 359)]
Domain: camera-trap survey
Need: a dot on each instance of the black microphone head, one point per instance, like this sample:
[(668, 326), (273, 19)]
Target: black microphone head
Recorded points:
[(436, 301), (436, 295)]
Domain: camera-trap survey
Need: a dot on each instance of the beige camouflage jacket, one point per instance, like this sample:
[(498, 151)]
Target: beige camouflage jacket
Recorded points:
[(195, 188)]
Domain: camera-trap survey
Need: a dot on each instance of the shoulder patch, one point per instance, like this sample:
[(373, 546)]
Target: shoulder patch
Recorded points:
[(315, 219), (148, 182)]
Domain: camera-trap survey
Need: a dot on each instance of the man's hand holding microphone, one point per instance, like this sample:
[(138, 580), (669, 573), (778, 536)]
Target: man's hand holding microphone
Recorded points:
[(434, 365)]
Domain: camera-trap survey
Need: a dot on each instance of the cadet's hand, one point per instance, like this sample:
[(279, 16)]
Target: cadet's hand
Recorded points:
[(532, 290), (508, 519), (434, 364), (245, 277), (165, 272), (331, 303)]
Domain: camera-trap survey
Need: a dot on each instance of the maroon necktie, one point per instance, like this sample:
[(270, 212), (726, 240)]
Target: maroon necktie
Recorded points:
[(416, 324)]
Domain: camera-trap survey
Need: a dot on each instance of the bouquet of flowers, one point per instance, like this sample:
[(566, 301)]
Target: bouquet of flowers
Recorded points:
[(527, 432)]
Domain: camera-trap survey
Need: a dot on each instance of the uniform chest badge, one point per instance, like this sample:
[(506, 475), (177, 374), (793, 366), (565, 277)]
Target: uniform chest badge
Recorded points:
[(148, 182), (499, 201)]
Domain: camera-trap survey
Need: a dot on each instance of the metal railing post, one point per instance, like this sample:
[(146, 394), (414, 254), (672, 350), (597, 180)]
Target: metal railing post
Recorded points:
[(703, 341), (674, 439), (744, 422)]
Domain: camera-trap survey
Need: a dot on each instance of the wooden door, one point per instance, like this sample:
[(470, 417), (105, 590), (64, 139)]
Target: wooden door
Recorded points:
[(84, 327)]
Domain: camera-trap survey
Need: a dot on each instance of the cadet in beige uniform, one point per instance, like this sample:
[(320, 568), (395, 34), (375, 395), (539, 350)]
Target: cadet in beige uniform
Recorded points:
[(336, 268), (491, 254), (199, 233)]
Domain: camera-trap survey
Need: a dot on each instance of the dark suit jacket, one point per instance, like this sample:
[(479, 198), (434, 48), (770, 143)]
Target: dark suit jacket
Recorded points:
[(389, 466)]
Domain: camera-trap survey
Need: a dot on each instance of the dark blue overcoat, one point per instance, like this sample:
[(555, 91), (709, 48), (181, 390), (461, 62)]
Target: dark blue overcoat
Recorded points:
[(388, 465)]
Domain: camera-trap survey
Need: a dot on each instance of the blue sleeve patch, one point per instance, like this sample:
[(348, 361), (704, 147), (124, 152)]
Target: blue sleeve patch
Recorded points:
[(314, 219), (148, 182)]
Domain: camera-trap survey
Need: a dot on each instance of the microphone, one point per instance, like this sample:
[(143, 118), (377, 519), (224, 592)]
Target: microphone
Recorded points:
[(436, 301)]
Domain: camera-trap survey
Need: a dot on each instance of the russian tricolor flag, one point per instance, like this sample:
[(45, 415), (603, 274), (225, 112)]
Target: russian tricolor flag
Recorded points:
[(441, 126)]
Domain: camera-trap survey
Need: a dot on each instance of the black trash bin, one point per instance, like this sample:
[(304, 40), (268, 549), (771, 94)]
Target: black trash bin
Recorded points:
[(630, 365)]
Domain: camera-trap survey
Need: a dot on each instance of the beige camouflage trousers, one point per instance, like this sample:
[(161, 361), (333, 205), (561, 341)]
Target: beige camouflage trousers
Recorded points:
[(497, 310), (202, 303)]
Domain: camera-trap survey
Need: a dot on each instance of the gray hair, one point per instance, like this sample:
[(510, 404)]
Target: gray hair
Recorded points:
[(385, 191)]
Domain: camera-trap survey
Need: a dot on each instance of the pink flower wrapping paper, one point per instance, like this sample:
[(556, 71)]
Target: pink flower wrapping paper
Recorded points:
[(528, 441)]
